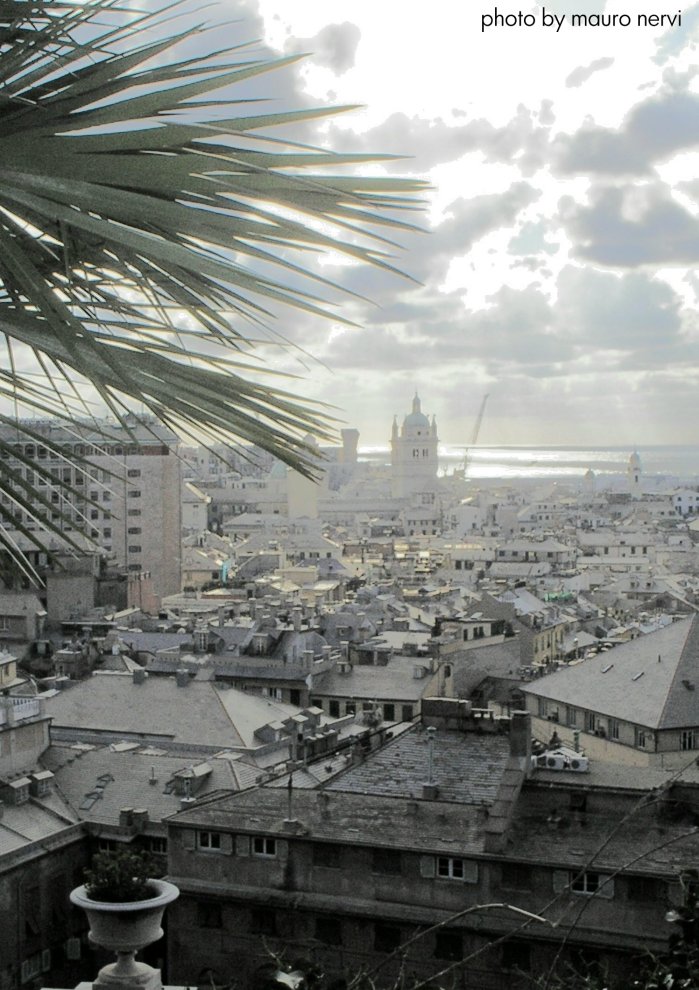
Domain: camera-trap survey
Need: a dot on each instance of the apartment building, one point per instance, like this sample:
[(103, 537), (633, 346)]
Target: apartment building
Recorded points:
[(125, 494), (449, 851)]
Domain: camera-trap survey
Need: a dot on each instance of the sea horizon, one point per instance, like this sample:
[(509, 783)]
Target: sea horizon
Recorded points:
[(570, 461)]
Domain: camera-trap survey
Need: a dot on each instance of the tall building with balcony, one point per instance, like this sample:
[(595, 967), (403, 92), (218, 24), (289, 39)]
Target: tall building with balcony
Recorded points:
[(124, 497)]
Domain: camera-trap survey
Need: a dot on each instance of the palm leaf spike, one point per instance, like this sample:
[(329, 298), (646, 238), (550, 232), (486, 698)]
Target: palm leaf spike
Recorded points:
[(143, 208)]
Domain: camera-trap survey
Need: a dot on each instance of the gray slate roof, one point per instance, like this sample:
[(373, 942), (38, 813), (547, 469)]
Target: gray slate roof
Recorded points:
[(356, 819), (394, 681), (664, 696), (466, 767), (78, 775), (197, 714)]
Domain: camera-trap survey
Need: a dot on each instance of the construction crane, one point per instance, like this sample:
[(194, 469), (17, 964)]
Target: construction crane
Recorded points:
[(476, 431)]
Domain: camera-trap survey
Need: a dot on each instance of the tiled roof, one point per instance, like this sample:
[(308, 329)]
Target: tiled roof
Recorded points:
[(395, 680), (654, 838), (199, 713), (33, 821), (651, 681), (98, 783), (356, 819), (152, 642), (466, 767)]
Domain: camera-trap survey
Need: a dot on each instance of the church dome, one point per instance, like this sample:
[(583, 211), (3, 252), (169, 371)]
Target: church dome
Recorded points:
[(417, 418)]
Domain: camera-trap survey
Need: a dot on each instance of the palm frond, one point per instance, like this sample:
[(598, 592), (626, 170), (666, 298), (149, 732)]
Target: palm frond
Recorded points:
[(140, 199)]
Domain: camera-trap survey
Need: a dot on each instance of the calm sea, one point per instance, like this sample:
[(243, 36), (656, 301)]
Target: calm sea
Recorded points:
[(677, 462)]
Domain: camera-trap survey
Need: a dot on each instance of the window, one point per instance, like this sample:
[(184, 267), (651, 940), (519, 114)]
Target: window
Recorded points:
[(158, 844), (329, 930), (326, 854), (263, 921), (543, 707), (450, 869), (386, 861), (135, 548), (689, 739), (134, 530), (264, 846), (406, 713), (107, 532), (448, 944), (613, 728), (209, 840), (209, 915), (517, 876), (134, 512), (571, 715), (588, 882), (590, 721), (135, 493), (387, 938), (334, 709), (640, 738), (389, 713), (133, 473)]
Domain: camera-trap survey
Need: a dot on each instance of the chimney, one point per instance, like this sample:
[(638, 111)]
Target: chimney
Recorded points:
[(308, 657), (182, 678), (326, 651), (139, 676), (344, 650), (126, 818), (139, 818), (221, 616), (521, 739), (296, 614)]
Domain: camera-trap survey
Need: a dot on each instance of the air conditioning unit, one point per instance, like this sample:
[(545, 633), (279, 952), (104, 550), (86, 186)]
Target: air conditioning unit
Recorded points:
[(554, 761), (581, 764)]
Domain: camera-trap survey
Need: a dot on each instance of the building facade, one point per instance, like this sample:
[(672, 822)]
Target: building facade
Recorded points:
[(413, 453), (445, 854), (123, 495)]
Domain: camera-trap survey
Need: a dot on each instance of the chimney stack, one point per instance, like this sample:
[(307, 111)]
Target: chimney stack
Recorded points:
[(521, 739)]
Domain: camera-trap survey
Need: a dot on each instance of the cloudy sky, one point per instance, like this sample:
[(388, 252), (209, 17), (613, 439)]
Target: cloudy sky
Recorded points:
[(557, 272)]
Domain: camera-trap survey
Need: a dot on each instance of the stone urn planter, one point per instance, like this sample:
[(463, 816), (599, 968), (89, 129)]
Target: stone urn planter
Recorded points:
[(125, 926), (129, 926)]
